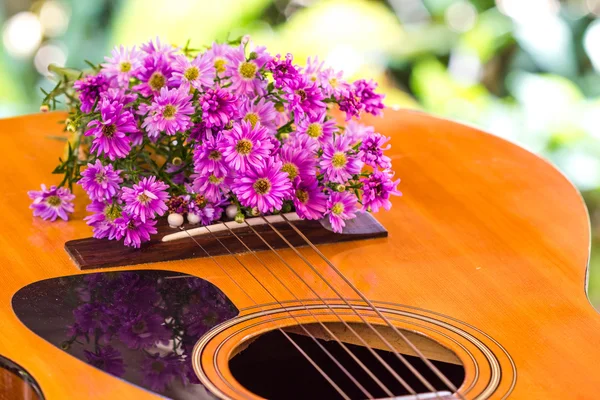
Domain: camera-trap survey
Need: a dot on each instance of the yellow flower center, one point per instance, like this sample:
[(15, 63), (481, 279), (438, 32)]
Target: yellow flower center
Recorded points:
[(248, 70), (337, 208), (125, 66), (333, 82), (54, 201), (279, 107), (315, 130), (291, 170), (220, 65), (243, 147), (262, 186), (169, 111), (339, 160), (302, 196), (214, 180), (112, 212), (143, 198), (214, 155), (157, 81), (191, 73), (109, 130), (252, 118)]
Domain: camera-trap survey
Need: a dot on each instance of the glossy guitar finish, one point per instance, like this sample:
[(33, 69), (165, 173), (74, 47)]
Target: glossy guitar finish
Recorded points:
[(487, 249)]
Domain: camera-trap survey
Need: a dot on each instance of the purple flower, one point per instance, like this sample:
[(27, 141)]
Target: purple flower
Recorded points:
[(208, 156), (304, 98), (207, 212), (332, 82), (262, 112), (370, 101), (146, 198), (309, 200), (100, 182), (134, 230), (160, 372), (154, 74), (298, 162), (123, 65), (110, 134), (264, 186), (371, 151), (158, 49), (52, 203), (318, 128), (217, 54), (377, 189), (340, 207), (245, 73), (284, 72), (107, 359), (313, 69), (218, 107), (212, 186), (357, 132), (169, 112), (198, 73), (245, 145), (348, 102), (92, 318), (144, 331), (103, 219), (89, 88), (337, 164)]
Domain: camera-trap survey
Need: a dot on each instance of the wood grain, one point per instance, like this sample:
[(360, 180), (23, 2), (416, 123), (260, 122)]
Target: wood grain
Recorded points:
[(486, 233)]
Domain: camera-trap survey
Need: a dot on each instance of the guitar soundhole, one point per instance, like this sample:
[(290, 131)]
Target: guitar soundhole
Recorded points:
[(271, 367)]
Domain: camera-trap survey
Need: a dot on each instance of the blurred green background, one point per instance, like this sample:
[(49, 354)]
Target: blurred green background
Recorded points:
[(526, 70)]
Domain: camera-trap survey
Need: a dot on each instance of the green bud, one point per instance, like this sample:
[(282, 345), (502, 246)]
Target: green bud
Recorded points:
[(239, 218)]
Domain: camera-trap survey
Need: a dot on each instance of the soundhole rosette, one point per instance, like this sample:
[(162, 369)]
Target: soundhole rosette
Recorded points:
[(488, 368)]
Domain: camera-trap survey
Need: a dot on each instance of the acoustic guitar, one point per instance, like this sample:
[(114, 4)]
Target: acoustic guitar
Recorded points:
[(471, 287)]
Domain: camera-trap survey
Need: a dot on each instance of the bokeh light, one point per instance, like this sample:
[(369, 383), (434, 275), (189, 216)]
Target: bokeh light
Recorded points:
[(22, 34)]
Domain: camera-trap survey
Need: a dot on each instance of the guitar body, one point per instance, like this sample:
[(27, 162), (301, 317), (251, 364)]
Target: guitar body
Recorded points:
[(486, 254)]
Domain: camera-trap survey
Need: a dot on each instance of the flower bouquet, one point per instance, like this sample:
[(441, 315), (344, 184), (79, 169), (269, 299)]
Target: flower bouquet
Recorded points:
[(193, 132)]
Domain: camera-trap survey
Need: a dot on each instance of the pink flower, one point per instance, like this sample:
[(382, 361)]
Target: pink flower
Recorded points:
[(245, 146), (337, 163), (198, 73), (169, 112), (377, 190), (341, 207), (245, 73), (262, 112), (309, 200), (52, 203), (123, 64), (263, 186), (146, 198)]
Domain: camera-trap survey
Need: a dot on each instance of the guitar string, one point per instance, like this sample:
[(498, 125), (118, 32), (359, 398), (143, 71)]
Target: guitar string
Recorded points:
[(308, 358), (339, 365), (427, 362), (400, 357), (331, 334), (360, 338)]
